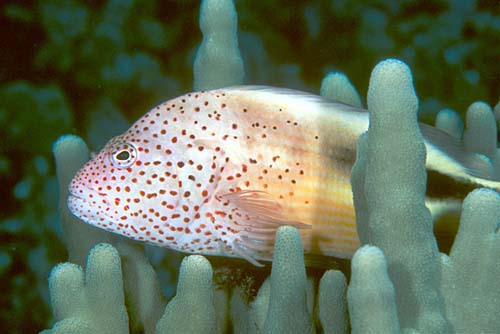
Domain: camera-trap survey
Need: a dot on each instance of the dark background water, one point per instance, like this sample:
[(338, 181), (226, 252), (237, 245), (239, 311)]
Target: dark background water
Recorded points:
[(92, 67)]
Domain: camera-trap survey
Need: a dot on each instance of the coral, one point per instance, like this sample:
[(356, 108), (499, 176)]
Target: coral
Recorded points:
[(402, 282), (90, 302), (332, 304), (288, 286), (398, 266), (91, 67), (398, 220), (218, 62), (480, 134), (371, 295), (192, 309), (337, 86), (469, 283), (450, 122), (429, 287), (94, 300)]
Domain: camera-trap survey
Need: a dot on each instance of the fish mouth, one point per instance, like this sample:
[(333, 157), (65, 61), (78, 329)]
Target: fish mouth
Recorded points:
[(76, 205), (88, 210)]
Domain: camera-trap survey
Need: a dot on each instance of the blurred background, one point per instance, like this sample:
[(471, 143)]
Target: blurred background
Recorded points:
[(92, 67)]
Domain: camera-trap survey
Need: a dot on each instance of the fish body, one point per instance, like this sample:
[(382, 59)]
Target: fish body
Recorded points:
[(217, 172)]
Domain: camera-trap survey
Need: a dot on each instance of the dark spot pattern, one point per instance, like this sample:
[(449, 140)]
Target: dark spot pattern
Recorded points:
[(185, 150)]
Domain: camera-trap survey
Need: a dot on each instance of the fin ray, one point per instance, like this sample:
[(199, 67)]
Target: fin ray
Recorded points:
[(259, 216)]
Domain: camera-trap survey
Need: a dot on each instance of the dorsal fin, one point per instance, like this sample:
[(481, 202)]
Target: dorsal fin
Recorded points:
[(297, 94)]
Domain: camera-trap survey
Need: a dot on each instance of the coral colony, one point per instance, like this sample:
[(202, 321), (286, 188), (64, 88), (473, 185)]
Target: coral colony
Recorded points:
[(400, 282)]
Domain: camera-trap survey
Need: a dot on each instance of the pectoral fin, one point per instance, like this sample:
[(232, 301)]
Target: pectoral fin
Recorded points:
[(257, 216)]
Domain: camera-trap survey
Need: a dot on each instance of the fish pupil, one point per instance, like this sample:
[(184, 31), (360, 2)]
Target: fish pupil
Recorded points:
[(123, 156)]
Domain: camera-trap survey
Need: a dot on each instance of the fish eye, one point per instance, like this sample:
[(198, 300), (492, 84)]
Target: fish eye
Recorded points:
[(123, 155)]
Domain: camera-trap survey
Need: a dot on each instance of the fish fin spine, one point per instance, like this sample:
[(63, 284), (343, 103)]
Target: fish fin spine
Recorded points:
[(254, 216)]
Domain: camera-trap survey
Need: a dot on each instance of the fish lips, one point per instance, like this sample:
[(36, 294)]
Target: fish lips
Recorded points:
[(89, 209)]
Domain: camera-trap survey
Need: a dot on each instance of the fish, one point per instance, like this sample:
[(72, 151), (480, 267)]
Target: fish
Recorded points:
[(218, 172)]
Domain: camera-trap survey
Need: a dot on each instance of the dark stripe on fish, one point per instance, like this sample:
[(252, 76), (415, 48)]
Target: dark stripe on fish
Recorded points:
[(441, 186), (343, 157)]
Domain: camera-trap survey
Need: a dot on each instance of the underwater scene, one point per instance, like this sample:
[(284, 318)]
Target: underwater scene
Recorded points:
[(366, 190)]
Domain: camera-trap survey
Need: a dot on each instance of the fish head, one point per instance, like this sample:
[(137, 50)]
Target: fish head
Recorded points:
[(97, 191), (133, 185)]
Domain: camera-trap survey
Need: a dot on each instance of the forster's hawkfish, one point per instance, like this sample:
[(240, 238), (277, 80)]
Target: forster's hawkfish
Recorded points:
[(217, 172)]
